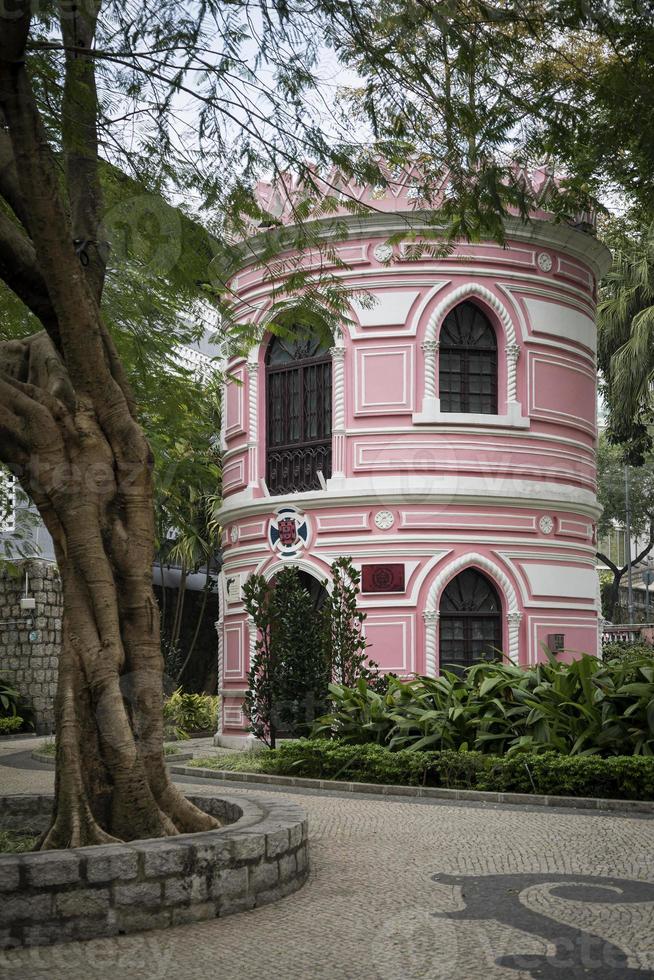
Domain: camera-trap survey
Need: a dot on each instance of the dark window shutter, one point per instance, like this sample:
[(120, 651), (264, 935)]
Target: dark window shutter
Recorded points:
[(299, 414), (468, 362)]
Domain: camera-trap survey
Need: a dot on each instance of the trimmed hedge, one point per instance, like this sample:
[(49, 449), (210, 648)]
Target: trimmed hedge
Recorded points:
[(546, 773)]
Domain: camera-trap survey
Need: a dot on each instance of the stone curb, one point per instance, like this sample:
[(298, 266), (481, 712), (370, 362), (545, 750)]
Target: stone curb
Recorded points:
[(422, 792), (15, 736), (260, 855), (177, 757)]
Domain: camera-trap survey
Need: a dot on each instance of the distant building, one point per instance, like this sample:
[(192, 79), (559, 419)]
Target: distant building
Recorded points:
[(445, 440)]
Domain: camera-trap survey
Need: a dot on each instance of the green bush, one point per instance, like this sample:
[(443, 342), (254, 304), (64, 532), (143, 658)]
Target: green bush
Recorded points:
[(627, 651), (184, 713), (547, 773), (299, 649), (585, 707), (618, 777), (11, 724)]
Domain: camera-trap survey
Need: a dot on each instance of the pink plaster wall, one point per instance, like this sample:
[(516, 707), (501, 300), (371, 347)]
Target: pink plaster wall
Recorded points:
[(454, 490)]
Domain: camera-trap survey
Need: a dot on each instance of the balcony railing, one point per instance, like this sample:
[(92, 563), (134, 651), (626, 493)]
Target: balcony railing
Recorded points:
[(296, 469)]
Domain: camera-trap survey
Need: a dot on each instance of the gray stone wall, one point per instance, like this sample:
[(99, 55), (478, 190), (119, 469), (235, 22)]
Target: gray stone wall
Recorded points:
[(30, 641), (57, 896)]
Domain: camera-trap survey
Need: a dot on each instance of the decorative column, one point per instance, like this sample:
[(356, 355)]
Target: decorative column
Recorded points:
[(431, 617), (252, 640), (253, 422), (431, 403), (220, 633), (338, 420), (514, 619), (512, 355), (223, 411)]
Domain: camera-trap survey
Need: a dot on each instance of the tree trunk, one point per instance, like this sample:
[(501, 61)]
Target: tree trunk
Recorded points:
[(69, 432), (613, 596), (112, 782)]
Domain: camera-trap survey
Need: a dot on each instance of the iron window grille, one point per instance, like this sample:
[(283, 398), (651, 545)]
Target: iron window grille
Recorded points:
[(470, 623), (468, 362), (299, 414)]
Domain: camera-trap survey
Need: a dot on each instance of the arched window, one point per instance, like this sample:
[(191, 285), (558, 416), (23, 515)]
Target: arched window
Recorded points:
[(470, 623), (299, 414), (468, 362)]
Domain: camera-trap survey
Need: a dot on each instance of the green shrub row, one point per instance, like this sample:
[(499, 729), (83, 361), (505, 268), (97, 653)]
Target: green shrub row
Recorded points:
[(548, 773), (585, 707), (627, 651)]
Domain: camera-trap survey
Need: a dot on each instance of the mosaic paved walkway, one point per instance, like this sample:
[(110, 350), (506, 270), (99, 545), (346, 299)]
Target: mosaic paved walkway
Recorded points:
[(402, 890)]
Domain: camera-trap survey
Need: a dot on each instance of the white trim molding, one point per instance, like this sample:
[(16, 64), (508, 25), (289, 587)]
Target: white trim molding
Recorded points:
[(388, 490), (431, 406), (471, 559), (322, 575)]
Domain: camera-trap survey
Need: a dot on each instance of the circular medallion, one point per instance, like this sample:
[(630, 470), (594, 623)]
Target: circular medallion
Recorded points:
[(544, 262), (384, 519), (546, 524), (383, 252), (288, 531), (233, 534)]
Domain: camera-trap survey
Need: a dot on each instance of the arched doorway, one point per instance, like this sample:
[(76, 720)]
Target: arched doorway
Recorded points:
[(468, 362), (298, 414), (314, 587), (470, 624)]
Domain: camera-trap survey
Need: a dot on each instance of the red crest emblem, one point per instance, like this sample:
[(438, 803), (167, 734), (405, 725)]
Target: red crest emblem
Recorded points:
[(287, 531)]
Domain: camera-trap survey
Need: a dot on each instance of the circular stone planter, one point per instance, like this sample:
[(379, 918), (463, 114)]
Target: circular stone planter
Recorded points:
[(107, 890)]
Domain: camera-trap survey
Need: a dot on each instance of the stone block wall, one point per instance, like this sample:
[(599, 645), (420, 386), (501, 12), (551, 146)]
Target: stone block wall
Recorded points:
[(30, 641), (261, 855)]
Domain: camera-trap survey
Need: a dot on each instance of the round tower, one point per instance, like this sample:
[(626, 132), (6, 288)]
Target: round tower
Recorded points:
[(445, 441)]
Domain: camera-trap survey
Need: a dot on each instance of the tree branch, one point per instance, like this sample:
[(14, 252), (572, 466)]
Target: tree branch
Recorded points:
[(81, 332), (9, 185), (79, 134), (20, 271), (644, 553), (607, 561)]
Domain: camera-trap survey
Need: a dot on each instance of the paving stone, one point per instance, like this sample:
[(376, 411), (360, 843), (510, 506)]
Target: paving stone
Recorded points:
[(228, 906), (246, 847), (52, 868), (287, 867), (9, 873), (85, 901), (262, 876), (194, 913), (146, 893), (230, 882), (371, 907), (107, 862), (164, 857), (16, 907), (186, 888), (276, 843), (135, 920)]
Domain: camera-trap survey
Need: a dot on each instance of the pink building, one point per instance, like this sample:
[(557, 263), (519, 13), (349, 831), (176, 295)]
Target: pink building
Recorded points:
[(445, 441)]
